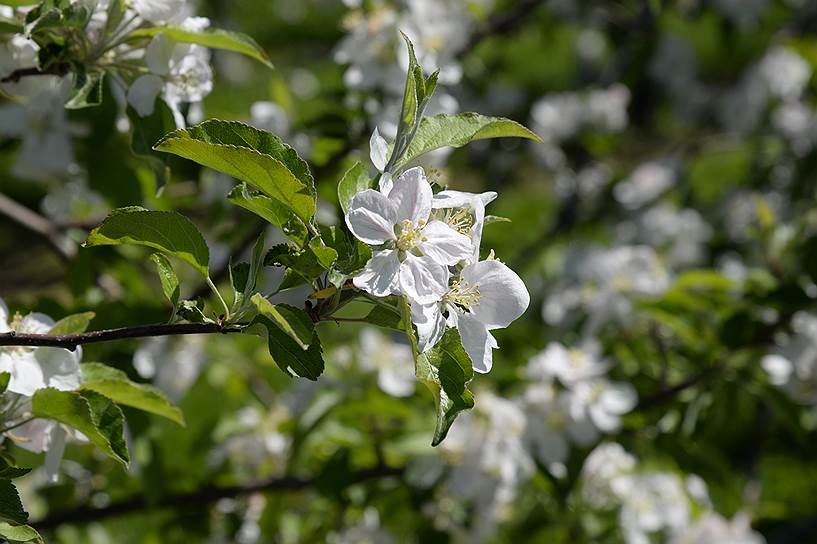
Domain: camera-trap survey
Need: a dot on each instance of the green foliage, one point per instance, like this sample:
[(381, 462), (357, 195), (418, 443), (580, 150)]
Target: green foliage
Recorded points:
[(285, 351), (212, 37), (294, 322), (168, 279), (11, 508), (116, 386), (259, 158), (170, 232), (72, 324), (445, 130), (19, 533), (87, 89), (92, 414), (446, 370), (355, 180), (271, 210)]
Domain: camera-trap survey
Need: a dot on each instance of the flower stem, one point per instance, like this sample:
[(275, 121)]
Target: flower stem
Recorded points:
[(220, 298)]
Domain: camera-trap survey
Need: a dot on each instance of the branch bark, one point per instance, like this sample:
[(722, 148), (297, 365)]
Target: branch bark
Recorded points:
[(203, 496), (71, 341)]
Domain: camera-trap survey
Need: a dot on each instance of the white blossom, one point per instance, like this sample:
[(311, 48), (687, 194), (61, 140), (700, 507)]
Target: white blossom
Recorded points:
[(393, 362), (487, 295), (568, 365), (413, 251), (160, 12), (711, 527)]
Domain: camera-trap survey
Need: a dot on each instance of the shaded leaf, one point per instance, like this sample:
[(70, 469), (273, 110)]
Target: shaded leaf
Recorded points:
[(355, 180), (214, 38), (271, 210), (287, 353), (72, 324), (19, 533), (115, 385), (170, 232), (293, 321)]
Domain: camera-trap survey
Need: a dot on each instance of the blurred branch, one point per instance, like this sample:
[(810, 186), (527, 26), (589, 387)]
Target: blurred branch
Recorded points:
[(71, 341), (669, 393), (200, 497), (20, 73), (36, 223)]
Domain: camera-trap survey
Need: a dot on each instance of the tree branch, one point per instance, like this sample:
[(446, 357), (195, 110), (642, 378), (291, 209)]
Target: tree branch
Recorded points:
[(65, 247), (20, 73), (71, 341), (205, 495)]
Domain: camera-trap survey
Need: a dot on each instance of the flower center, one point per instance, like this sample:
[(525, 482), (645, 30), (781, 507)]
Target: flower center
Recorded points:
[(459, 219), (463, 295), (407, 235)]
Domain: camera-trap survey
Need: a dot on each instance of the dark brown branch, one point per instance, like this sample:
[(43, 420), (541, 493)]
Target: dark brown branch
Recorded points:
[(20, 73), (71, 341), (200, 497)]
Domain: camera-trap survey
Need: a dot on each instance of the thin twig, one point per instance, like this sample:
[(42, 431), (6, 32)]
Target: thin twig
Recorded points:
[(71, 341), (36, 223), (200, 497)]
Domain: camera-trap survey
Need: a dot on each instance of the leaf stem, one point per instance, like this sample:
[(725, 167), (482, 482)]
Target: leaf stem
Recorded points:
[(220, 298)]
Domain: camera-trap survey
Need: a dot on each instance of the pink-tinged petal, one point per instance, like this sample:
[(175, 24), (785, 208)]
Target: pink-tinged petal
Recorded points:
[(445, 245), (412, 195), (422, 280), (430, 324), (371, 217), (379, 277), (378, 150), (478, 343), (503, 295)]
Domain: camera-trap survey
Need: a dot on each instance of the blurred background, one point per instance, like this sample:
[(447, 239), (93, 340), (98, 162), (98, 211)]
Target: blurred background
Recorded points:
[(662, 386)]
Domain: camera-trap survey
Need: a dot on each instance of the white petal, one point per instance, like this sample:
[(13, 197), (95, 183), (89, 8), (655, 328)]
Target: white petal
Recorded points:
[(143, 92), (60, 368), (378, 150), (159, 11), (37, 435), (619, 398), (422, 280), (412, 195), (372, 217), (444, 245), (56, 448), (461, 199), (430, 324), (159, 54), (26, 374), (4, 317), (386, 183), (503, 295), (477, 342), (605, 421), (379, 277)]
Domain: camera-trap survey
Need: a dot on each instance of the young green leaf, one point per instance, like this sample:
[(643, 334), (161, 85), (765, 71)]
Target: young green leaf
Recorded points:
[(87, 89), (446, 130), (352, 254), (355, 180), (260, 158), (212, 37), (446, 370), (92, 414), (168, 279), (24, 534), (170, 232), (286, 352), (293, 321), (5, 378), (72, 324), (115, 385), (11, 507), (271, 210), (308, 263)]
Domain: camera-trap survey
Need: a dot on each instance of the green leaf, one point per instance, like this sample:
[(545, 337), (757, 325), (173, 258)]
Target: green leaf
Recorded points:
[(309, 263), (168, 279), (355, 180), (191, 311), (293, 321), (446, 370), (446, 130), (19, 533), (11, 507), (352, 254), (414, 91), (260, 158), (92, 414), (115, 385), (72, 324), (272, 210), (287, 353), (170, 232), (384, 317), (9, 472), (5, 378), (212, 37), (145, 131), (87, 89)]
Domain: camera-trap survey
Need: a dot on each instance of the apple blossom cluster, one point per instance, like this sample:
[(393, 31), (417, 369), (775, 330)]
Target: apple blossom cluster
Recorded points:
[(426, 247), (139, 70), (30, 370), (658, 504)]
